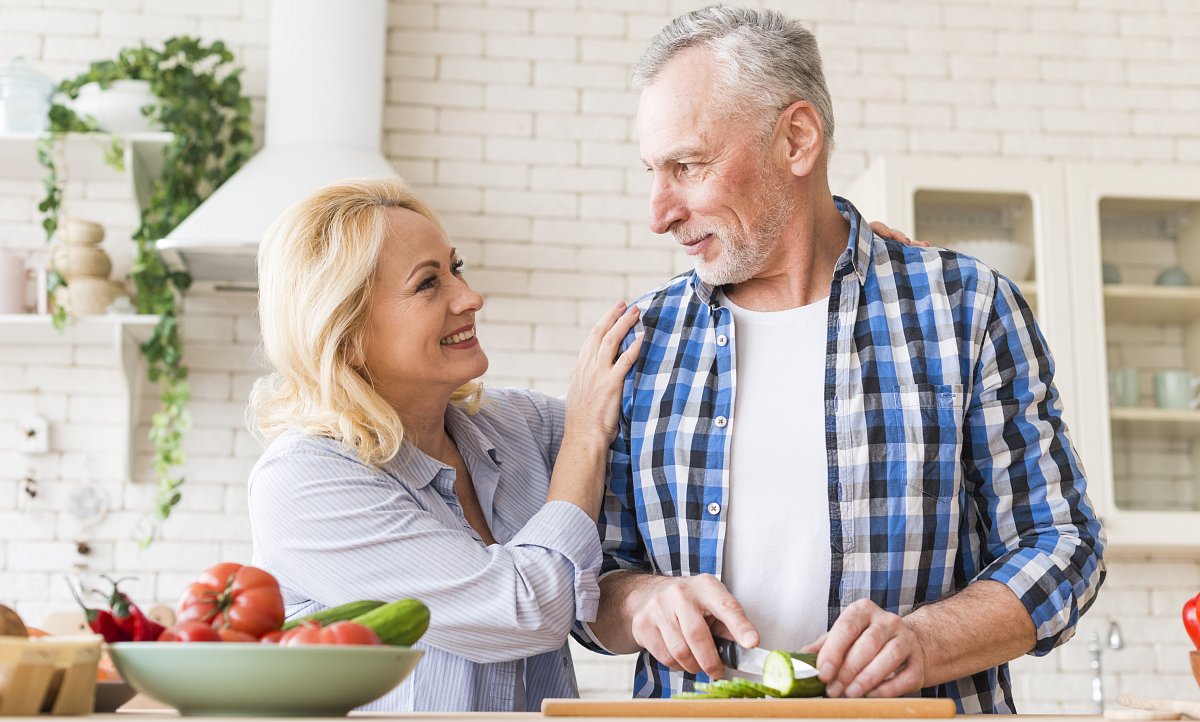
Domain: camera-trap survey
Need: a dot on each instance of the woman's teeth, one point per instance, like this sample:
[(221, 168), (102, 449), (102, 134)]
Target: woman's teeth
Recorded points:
[(459, 337)]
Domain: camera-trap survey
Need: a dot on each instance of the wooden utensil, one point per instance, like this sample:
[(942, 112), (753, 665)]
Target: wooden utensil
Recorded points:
[(811, 707), (1179, 706)]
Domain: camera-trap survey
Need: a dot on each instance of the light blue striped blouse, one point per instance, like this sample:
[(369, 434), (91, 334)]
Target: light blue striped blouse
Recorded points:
[(333, 529)]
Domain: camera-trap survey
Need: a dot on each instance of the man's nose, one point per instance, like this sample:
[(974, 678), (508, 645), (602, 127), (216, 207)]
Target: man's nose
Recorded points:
[(666, 206)]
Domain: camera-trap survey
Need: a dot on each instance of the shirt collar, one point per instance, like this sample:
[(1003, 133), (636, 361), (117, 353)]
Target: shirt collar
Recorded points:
[(856, 258)]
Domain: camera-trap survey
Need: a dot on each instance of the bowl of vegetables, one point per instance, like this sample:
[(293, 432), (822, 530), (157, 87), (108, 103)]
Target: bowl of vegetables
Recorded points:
[(230, 652)]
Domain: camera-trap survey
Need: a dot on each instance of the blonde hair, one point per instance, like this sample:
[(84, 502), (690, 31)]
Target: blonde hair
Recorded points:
[(316, 270)]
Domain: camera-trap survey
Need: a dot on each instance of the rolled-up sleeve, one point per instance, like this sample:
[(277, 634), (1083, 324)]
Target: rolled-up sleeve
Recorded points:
[(1043, 539), (342, 531)]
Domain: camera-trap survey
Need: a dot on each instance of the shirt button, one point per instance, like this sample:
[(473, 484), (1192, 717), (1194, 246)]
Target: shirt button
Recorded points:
[(722, 340), (714, 508), (720, 422)]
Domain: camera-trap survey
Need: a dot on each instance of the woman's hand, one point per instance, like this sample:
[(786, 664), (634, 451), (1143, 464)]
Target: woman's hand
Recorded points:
[(882, 230), (594, 395)]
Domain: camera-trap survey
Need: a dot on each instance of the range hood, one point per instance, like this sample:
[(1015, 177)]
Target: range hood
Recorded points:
[(324, 123)]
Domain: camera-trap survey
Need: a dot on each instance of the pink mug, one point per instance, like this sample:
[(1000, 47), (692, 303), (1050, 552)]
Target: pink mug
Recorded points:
[(14, 282)]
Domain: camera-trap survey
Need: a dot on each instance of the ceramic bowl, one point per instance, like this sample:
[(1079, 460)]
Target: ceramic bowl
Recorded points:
[(224, 678), (1008, 257)]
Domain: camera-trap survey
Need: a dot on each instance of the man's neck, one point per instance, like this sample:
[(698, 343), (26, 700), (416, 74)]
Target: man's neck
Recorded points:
[(800, 269)]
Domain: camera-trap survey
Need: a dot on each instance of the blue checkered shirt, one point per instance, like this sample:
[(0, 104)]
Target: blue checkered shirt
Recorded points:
[(948, 458)]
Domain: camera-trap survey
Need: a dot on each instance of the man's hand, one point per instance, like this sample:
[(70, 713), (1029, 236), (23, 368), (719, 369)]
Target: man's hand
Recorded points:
[(679, 616), (870, 652)]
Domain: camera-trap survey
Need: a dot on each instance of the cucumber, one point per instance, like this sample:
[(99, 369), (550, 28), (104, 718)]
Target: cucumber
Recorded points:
[(401, 622), (777, 674), (340, 613)]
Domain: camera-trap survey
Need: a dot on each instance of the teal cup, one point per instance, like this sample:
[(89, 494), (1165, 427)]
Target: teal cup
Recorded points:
[(1123, 387), (1176, 389)]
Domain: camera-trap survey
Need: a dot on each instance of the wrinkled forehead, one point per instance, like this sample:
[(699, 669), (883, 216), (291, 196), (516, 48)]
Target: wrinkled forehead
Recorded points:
[(680, 107)]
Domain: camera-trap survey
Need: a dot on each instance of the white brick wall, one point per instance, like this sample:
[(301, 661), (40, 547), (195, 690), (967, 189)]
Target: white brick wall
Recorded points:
[(514, 117)]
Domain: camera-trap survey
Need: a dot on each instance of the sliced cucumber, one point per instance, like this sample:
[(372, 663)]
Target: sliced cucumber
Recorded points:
[(778, 674)]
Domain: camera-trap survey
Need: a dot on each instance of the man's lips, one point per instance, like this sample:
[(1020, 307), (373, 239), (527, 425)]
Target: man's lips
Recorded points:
[(697, 246)]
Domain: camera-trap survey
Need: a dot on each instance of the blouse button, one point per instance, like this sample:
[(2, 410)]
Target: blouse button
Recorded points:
[(720, 422), (714, 508), (722, 340)]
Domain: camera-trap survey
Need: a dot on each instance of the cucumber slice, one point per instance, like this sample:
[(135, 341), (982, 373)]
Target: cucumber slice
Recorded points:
[(690, 695), (746, 688), (720, 688), (777, 673)]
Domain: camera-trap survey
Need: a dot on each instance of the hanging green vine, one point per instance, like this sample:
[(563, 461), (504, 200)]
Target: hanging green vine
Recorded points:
[(200, 102)]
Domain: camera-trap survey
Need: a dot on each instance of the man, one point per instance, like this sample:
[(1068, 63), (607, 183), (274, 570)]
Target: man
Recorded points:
[(830, 440)]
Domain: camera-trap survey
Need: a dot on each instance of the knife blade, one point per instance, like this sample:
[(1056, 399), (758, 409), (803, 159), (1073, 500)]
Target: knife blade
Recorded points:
[(750, 660)]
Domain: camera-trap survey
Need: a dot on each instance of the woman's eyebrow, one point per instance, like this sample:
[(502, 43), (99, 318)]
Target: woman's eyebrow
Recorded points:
[(423, 264)]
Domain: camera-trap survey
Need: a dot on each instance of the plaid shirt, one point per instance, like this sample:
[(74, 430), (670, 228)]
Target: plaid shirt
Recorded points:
[(948, 458)]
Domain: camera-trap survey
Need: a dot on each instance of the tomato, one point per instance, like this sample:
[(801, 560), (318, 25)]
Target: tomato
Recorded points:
[(1191, 619), (336, 633), (349, 633), (272, 637), (232, 635), (231, 596), (190, 632)]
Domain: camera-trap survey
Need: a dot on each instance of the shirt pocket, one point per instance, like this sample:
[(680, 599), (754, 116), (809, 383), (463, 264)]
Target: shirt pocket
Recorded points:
[(925, 438)]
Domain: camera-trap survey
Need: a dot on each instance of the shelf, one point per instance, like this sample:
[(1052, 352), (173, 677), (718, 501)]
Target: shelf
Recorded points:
[(1151, 304), (1160, 423), (125, 333), (83, 157)]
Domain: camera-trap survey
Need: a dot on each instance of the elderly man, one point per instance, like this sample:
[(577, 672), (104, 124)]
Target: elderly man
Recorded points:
[(830, 440)]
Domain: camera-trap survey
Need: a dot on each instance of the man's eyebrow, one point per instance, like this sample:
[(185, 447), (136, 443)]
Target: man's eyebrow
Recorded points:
[(683, 151)]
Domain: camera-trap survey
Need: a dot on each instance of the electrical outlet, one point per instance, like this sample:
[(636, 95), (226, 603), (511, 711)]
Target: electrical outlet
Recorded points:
[(33, 435)]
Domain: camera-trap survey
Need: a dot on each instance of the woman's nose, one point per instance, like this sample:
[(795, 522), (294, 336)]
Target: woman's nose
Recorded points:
[(467, 299)]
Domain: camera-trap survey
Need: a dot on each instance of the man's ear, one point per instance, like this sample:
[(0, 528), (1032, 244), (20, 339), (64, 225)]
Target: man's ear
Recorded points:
[(804, 136)]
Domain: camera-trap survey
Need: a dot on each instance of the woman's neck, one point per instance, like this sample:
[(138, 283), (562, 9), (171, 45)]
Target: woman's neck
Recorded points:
[(424, 423)]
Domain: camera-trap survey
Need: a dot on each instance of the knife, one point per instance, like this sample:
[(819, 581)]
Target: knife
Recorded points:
[(750, 660)]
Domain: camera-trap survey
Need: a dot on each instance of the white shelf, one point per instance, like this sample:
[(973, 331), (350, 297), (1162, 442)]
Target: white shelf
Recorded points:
[(1151, 304), (83, 158), (125, 333), (1160, 423)]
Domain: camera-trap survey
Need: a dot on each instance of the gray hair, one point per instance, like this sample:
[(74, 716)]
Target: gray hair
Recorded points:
[(767, 61)]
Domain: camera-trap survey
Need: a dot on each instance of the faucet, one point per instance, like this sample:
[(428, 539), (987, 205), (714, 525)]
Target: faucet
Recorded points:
[(1094, 651)]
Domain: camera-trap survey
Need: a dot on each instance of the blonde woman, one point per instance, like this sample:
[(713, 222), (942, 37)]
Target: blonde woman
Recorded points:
[(392, 473)]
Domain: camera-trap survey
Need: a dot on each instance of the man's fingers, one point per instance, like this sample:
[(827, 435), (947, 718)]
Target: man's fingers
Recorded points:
[(700, 641), (868, 645), (887, 661), (718, 602), (839, 639), (653, 643), (905, 681)]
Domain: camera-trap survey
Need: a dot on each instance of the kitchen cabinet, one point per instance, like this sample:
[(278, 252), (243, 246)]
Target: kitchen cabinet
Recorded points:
[(122, 333), (1084, 222)]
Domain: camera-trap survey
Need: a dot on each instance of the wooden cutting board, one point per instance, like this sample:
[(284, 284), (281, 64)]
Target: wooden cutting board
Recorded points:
[(812, 707)]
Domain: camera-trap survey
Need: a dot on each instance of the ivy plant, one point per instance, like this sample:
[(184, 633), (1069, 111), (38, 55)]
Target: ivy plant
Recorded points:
[(199, 100)]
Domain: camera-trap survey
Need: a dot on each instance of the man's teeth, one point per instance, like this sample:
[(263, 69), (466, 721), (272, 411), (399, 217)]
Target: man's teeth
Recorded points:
[(459, 337)]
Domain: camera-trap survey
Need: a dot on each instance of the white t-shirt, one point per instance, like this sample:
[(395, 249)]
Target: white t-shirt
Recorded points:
[(777, 553)]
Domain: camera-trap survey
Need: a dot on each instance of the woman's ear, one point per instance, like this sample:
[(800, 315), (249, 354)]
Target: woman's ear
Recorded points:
[(804, 135)]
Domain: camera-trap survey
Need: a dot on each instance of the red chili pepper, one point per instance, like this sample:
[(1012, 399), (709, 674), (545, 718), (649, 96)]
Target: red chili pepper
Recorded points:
[(131, 619), (1191, 619), (103, 623)]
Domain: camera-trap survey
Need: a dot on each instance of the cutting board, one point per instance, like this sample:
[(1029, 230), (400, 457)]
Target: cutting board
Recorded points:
[(811, 707)]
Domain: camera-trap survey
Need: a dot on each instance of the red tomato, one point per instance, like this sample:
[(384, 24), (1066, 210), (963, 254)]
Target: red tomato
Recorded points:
[(231, 596), (1191, 619), (349, 633), (336, 633), (272, 637), (190, 632), (232, 635), (307, 633)]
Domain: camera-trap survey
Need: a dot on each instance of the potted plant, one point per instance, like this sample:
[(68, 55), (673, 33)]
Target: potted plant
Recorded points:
[(197, 97)]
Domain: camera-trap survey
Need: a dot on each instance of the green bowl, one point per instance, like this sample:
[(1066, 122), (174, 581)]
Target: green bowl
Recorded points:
[(228, 678)]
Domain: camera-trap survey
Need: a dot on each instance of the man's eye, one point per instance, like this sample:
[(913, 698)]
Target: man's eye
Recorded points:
[(684, 168)]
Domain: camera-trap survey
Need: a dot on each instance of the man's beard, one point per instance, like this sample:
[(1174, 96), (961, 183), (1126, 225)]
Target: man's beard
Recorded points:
[(745, 252)]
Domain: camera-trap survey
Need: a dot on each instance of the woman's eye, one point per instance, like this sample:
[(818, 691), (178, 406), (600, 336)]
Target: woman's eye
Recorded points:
[(427, 284), (458, 266)]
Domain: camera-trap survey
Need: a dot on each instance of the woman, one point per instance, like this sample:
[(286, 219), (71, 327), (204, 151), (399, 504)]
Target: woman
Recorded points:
[(392, 473)]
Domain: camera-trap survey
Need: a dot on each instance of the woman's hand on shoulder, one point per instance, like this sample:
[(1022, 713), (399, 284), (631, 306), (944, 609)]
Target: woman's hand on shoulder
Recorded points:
[(883, 230), (594, 395)]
